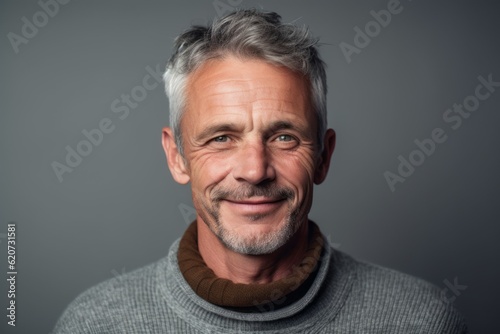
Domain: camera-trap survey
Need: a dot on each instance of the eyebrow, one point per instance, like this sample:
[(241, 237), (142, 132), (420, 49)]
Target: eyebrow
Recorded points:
[(211, 130), (286, 125), (216, 128), (281, 125)]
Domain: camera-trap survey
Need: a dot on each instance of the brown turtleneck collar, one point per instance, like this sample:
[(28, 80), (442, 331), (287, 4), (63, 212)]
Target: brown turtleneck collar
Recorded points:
[(224, 292)]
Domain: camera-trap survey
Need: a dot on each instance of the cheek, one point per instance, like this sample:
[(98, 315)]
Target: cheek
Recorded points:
[(298, 171), (206, 171)]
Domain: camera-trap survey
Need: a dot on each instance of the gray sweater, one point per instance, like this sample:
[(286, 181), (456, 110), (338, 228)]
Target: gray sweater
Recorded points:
[(346, 296)]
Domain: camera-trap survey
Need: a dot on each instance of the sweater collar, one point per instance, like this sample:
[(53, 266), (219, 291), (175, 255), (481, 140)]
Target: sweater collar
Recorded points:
[(247, 297), (320, 304)]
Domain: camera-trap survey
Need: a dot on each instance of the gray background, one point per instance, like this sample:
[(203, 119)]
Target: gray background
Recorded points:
[(120, 209)]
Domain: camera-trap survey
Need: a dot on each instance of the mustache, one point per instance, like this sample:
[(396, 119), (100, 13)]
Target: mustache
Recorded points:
[(246, 191)]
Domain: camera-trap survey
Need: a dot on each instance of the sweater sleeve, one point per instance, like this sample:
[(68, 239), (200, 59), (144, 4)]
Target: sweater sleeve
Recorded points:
[(387, 301), (445, 317), (79, 317)]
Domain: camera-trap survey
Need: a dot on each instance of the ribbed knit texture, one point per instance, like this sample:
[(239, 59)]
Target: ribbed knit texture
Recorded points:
[(224, 292), (346, 296)]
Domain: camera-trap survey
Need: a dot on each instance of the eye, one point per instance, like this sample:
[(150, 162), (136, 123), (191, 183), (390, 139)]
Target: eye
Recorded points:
[(284, 138), (221, 139)]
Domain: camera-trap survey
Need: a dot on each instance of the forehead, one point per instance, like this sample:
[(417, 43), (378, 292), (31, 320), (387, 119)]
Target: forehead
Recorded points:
[(234, 85), (218, 70)]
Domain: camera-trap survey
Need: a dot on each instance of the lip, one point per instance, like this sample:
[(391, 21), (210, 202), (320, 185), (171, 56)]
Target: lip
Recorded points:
[(257, 206), (256, 201)]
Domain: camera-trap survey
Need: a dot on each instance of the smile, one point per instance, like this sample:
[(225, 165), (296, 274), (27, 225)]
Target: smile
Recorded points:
[(257, 206)]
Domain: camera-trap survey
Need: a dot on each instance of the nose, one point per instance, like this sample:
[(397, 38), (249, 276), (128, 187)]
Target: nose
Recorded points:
[(253, 165)]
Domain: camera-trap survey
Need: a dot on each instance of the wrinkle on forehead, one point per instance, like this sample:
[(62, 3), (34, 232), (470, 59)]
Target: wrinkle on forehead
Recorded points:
[(231, 75), (219, 93), (231, 89)]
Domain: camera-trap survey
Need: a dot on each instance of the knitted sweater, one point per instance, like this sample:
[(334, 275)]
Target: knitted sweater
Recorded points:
[(346, 296)]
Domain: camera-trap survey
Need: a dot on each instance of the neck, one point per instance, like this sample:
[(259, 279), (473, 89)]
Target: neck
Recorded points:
[(247, 269)]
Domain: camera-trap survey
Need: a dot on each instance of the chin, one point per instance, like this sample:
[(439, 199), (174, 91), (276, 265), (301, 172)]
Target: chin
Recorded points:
[(257, 239)]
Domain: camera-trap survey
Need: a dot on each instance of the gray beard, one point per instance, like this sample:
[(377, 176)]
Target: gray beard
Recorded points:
[(266, 243)]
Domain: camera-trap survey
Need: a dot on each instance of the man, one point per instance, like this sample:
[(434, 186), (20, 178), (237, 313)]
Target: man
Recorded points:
[(248, 131)]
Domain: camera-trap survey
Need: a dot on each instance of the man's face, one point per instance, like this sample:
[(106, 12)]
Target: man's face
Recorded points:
[(249, 146)]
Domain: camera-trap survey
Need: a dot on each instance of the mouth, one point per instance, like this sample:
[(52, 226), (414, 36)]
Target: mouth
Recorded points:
[(256, 201), (255, 206)]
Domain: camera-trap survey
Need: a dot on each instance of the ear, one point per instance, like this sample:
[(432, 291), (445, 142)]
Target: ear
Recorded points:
[(324, 159), (175, 161)]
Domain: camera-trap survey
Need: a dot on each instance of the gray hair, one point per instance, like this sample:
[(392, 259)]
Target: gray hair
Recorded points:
[(246, 33)]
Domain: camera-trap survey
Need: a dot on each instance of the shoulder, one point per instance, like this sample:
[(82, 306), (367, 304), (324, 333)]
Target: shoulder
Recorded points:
[(391, 299), (104, 307)]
